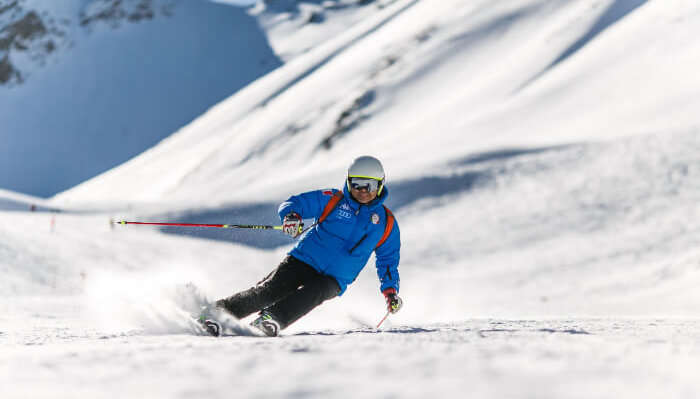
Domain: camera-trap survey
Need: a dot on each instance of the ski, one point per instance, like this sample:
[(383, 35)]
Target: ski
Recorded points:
[(219, 323)]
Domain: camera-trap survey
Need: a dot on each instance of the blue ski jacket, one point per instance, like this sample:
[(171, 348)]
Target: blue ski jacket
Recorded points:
[(341, 246)]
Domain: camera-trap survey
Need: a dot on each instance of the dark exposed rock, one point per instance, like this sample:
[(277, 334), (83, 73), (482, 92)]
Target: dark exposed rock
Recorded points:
[(5, 42), (27, 28), (141, 14), (316, 18), (8, 7), (19, 35), (350, 118), (7, 71), (33, 33), (38, 33), (114, 11)]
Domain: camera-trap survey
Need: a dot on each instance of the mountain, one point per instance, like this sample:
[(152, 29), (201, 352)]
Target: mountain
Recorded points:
[(87, 85), (424, 85)]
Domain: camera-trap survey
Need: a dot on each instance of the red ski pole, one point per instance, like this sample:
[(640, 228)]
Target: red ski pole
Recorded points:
[(385, 316), (221, 226)]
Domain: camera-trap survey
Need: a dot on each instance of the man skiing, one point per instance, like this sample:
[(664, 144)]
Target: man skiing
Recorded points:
[(350, 224)]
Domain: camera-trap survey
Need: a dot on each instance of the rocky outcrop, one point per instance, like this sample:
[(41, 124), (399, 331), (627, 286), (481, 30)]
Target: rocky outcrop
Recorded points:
[(20, 35), (350, 118), (114, 12), (35, 34), (24, 31), (7, 70), (16, 34)]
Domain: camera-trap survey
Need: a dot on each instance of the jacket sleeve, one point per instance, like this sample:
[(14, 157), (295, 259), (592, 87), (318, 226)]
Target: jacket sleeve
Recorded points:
[(308, 205), (388, 255)]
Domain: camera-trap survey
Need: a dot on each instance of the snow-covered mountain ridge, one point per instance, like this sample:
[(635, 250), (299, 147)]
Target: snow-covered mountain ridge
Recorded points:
[(111, 78), (30, 31), (444, 79)]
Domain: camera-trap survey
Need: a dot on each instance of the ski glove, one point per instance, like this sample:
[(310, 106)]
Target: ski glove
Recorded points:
[(291, 225), (393, 301)]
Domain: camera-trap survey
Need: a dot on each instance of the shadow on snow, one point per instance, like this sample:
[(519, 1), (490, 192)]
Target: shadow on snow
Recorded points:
[(369, 330), (617, 11), (481, 168)]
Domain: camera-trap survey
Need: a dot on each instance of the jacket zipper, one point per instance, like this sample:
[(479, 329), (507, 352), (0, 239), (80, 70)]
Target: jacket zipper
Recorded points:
[(358, 243)]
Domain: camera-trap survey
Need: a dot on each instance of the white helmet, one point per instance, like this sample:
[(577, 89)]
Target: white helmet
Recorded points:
[(367, 167)]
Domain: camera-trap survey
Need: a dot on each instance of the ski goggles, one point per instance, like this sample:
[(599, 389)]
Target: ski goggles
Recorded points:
[(360, 183)]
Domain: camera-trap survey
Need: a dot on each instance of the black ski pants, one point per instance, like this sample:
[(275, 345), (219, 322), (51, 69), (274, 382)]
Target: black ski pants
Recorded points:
[(292, 290)]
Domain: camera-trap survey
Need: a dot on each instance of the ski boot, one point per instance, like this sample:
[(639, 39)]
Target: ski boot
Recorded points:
[(208, 320), (265, 323), (213, 327)]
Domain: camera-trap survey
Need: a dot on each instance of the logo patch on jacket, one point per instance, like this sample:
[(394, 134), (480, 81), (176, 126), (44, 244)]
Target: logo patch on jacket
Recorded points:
[(344, 215), (375, 218), (328, 192)]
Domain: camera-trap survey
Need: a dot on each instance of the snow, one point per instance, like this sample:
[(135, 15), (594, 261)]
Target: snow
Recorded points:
[(542, 164), (114, 88), (486, 358), (439, 73), (296, 28)]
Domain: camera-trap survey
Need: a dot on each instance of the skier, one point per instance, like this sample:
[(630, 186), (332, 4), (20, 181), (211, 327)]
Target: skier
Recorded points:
[(350, 224)]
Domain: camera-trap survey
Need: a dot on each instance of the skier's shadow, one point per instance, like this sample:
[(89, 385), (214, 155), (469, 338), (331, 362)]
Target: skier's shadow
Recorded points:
[(469, 173), (260, 213), (370, 330)]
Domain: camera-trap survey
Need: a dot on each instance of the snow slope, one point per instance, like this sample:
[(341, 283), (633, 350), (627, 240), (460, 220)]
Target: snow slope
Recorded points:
[(440, 78), (295, 28), (481, 359), (569, 267), (549, 243), (119, 77)]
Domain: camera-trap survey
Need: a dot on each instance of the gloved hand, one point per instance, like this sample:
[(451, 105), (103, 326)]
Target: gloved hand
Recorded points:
[(291, 225), (393, 301)]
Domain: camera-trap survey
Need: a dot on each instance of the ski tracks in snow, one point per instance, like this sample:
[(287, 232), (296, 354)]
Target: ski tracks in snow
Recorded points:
[(544, 358)]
